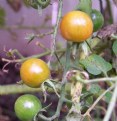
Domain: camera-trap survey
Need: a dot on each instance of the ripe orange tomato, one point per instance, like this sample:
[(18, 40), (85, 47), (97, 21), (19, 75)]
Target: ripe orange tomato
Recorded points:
[(76, 26), (34, 71)]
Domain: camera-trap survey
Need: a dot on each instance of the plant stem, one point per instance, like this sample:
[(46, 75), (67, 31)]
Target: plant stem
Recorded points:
[(18, 53), (98, 99), (101, 80), (101, 6), (25, 27), (111, 105), (59, 106), (53, 48), (34, 56), (43, 34), (62, 93), (110, 11), (15, 89)]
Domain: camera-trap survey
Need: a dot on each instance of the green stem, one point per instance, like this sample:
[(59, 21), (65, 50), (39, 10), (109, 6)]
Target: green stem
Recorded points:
[(110, 11), (111, 104), (59, 106), (34, 56), (53, 48), (18, 53), (25, 27), (62, 93), (101, 6), (100, 80), (15, 89), (108, 82)]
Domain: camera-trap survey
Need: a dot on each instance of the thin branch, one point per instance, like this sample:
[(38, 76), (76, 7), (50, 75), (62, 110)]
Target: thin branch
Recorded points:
[(44, 34), (109, 10), (62, 93), (111, 105), (34, 56), (25, 27), (98, 99), (101, 80), (53, 48), (101, 6), (15, 89)]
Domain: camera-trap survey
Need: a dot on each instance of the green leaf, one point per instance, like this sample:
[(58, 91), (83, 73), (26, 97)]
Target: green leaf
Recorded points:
[(96, 64), (95, 88), (2, 16), (85, 6), (89, 100), (107, 97), (114, 47)]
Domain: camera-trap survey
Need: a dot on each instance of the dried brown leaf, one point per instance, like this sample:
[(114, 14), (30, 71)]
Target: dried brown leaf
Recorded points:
[(107, 31)]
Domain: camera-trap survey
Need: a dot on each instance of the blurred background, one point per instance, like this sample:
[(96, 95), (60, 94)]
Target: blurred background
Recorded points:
[(21, 20), (17, 20)]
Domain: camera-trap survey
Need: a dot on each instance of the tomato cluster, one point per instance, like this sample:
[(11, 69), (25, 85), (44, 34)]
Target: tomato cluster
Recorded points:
[(75, 26), (33, 72)]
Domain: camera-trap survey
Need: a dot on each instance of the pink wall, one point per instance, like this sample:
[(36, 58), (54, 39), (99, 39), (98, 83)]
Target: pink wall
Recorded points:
[(30, 17)]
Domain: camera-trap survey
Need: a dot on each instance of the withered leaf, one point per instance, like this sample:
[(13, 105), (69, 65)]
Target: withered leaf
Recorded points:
[(107, 31)]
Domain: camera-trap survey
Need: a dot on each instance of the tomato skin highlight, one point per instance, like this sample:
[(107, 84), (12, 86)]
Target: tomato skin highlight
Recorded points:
[(34, 72), (98, 19), (27, 106), (76, 26)]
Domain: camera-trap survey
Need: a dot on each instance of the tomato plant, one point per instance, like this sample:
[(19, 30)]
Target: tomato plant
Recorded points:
[(83, 73), (34, 71), (98, 20), (76, 26), (27, 106)]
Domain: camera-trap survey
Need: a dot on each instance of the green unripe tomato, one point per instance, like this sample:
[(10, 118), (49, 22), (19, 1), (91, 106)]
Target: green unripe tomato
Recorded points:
[(98, 20), (27, 106), (43, 3)]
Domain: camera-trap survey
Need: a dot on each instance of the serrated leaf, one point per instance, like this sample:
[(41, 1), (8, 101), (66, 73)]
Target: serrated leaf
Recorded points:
[(114, 47), (89, 100), (96, 64), (95, 88), (85, 6)]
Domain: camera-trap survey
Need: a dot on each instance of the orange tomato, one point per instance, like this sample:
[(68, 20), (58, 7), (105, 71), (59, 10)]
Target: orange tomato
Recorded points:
[(76, 26), (34, 71)]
